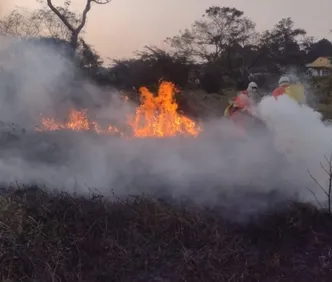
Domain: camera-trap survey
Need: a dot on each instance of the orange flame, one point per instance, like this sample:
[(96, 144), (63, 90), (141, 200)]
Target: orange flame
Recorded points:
[(157, 116), (77, 121)]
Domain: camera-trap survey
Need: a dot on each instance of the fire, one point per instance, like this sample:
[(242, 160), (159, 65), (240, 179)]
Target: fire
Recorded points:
[(77, 121), (157, 116)]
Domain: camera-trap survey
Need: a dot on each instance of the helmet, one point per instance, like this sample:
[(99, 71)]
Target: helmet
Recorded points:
[(252, 86), (284, 80)]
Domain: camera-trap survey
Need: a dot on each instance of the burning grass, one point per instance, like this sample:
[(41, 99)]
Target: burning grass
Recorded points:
[(61, 238), (157, 116)]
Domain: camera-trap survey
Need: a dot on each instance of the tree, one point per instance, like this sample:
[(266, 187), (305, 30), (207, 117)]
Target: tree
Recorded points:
[(321, 48), (282, 46), (151, 65), (44, 26), (40, 22), (173, 67), (90, 59), (222, 33), (51, 25), (74, 28), (19, 23)]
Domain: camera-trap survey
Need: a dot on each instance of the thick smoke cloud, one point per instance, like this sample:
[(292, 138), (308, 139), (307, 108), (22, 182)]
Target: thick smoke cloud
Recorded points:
[(215, 168)]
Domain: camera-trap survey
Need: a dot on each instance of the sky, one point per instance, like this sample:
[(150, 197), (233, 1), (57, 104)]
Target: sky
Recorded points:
[(121, 27)]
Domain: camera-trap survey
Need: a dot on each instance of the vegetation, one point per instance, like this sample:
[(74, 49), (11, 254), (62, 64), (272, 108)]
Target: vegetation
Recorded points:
[(222, 49), (61, 238), (57, 237)]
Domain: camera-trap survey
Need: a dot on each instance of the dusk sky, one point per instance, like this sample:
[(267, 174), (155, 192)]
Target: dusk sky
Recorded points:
[(123, 26)]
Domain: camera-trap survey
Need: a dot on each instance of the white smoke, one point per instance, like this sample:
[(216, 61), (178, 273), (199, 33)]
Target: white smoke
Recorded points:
[(216, 168), (302, 137)]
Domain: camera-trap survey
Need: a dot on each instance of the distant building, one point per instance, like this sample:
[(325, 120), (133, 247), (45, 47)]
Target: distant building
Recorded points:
[(322, 66)]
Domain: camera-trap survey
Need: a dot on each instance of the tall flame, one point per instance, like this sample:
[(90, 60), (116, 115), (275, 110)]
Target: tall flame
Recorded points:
[(157, 116)]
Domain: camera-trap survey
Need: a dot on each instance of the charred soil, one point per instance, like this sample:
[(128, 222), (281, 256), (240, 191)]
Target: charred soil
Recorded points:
[(57, 237)]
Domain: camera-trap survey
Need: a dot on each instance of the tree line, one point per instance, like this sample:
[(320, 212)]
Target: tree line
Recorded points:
[(221, 48)]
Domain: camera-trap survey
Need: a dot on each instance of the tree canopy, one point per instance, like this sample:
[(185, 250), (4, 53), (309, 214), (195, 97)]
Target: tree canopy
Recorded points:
[(222, 45)]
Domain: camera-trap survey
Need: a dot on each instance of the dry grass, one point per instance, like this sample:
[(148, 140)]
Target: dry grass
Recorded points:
[(197, 103), (56, 237), (201, 104)]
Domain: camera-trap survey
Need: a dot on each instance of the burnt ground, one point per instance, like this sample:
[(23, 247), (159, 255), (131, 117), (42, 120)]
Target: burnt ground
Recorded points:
[(57, 237)]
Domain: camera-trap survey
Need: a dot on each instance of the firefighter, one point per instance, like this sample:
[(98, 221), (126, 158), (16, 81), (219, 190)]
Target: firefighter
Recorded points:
[(283, 83), (241, 110), (244, 101), (293, 90)]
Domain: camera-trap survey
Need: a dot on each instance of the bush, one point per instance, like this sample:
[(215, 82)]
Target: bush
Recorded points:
[(211, 81), (60, 238)]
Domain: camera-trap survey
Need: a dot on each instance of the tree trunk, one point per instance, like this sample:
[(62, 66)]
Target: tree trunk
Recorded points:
[(74, 41), (73, 44)]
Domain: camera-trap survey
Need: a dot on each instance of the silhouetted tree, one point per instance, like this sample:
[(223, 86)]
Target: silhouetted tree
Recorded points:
[(51, 25), (215, 35), (151, 65), (321, 48), (211, 80), (89, 58), (45, 27), (74, 28), (20, 23), (281, 46)]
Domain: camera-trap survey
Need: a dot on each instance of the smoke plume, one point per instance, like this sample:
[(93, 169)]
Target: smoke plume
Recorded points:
[(216, 168)]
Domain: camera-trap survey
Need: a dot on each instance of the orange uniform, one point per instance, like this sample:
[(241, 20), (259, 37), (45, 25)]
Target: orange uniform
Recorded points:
[(283, 83), (294, 91), (279, 91), (239, 107), (240, 103)]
